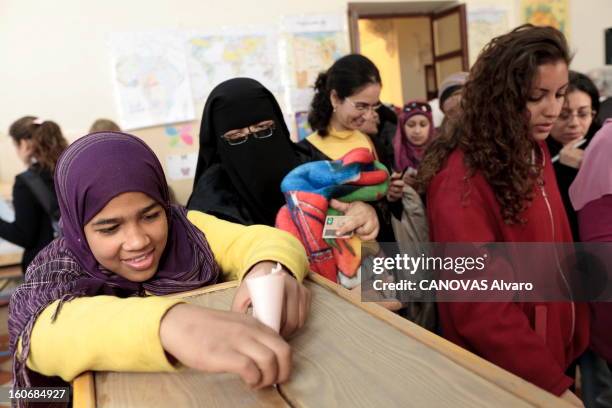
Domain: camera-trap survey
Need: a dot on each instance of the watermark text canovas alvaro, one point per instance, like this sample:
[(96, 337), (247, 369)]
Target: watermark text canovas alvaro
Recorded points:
[(422, 263)]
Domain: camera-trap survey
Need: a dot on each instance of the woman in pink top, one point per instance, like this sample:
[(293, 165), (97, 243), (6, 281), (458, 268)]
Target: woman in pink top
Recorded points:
[(591, 196)]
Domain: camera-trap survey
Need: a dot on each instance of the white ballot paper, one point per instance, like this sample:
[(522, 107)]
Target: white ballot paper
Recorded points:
[(267, 293)]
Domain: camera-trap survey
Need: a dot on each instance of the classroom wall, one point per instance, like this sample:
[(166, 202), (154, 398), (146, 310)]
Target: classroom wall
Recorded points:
[(589, 19), (55, 62)]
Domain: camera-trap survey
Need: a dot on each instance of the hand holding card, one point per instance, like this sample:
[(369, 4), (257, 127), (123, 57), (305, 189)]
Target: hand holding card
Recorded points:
[(332, 225)]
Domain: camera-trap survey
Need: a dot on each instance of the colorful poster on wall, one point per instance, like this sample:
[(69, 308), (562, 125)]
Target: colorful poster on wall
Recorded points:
[(310, 46), (231, 53), (484, 24), (179, 135), (303, 127), (553, 13), (149, 72)]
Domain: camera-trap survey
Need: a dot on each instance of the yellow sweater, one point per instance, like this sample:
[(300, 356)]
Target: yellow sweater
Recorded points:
[(106, 333), (338, 143)]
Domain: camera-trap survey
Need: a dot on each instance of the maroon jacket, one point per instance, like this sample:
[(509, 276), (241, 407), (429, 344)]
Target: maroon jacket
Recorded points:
[(536, 341)]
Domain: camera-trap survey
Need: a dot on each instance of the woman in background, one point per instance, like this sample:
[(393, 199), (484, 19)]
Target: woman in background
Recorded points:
[(39, 144), (104, 125), (346, 96), (591, 196), (449, 95), (414, 133), (245, 152), (380, 127), (571, 134)]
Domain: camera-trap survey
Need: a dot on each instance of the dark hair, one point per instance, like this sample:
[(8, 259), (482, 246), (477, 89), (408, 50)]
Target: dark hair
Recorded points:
[(493, 129), (346, 76), (103, 125), (580, 82), (47, 139)]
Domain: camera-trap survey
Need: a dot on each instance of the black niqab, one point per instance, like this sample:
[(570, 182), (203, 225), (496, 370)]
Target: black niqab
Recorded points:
[(254, 168)]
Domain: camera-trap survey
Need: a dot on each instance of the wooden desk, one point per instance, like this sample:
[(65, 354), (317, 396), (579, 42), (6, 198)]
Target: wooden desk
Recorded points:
[(11, 271), (347, 355), (12, 259)]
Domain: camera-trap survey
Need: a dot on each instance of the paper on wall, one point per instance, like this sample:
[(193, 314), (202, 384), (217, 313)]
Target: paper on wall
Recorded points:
[(181, 166), (309, 46), (212, 58), (151, 80), (484, 24)]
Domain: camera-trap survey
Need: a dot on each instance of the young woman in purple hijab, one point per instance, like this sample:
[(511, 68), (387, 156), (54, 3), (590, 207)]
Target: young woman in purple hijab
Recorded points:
[(87, 302)]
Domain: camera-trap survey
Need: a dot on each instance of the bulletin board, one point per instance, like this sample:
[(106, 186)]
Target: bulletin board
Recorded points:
[(176, 146)]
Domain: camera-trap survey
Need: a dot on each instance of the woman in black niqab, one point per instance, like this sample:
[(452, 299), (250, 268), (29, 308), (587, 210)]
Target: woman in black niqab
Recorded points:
[(241, 183)]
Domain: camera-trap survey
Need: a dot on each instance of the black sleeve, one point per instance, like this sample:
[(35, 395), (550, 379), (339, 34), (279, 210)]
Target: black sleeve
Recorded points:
[(28, 216), (396, 208), (308, 153)]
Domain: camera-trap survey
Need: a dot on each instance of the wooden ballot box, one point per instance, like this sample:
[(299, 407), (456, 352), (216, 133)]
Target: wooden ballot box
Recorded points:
[(349, 354)]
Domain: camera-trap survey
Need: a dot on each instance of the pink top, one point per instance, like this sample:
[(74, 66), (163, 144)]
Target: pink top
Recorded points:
[(594, 179), (595, 221)]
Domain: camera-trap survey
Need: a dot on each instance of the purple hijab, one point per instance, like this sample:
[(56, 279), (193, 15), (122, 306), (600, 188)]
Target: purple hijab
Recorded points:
[(406, 153), (91, 172)]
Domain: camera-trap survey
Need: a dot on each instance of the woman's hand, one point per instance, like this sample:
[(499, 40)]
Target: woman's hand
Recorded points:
[(570, 155), (296, 301), (215, 341), (363, 219), (396, 187), (410, 177)]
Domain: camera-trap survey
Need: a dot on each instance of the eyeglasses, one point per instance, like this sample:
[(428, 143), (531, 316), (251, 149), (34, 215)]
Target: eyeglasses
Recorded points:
[(566, 115), (364, 107), (239, 136), (421, 106)]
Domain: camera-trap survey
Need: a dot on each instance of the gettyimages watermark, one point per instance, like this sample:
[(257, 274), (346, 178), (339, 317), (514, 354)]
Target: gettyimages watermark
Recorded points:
[(487, 272)]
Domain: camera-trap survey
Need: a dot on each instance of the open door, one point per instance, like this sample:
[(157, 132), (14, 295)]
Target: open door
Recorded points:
[(449, 39), (414, 44)]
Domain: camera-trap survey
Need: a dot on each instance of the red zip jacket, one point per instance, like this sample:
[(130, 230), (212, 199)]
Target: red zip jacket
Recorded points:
[(536, 341)]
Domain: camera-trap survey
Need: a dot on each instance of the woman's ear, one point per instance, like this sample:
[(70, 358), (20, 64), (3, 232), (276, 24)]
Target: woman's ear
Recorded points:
[(24, 150), (334, 99), (27, 145)]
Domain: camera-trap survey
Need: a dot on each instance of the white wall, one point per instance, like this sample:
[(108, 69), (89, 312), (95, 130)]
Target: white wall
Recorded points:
[(55, 63), (589, 19)]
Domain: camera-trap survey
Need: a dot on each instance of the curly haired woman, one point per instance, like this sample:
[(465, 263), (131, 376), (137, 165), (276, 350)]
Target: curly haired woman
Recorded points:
[(489, 178)]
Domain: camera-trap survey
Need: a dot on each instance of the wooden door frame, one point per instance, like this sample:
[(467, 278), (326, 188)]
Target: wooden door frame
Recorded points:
[(464, 52), (354, 15)]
